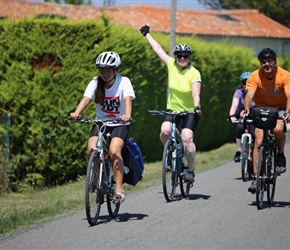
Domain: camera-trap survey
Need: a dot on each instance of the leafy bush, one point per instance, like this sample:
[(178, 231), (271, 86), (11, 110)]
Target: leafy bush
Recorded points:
[(45, 66)]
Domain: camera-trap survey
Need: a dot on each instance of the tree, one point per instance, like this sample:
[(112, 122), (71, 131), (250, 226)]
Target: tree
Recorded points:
[(277, 10)]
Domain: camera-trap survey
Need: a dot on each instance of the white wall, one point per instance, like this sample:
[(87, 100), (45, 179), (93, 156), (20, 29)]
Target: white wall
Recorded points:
[(281, 46)]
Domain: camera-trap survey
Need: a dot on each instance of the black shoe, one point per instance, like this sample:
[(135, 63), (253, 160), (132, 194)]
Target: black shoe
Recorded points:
[(281, 164), (237, 156), (189, 176), (252, 188)]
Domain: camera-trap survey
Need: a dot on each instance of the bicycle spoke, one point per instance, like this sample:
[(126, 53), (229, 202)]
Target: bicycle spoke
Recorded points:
[(272, 176), (184, 187), (93, 193), (261, 178), (169, 176)]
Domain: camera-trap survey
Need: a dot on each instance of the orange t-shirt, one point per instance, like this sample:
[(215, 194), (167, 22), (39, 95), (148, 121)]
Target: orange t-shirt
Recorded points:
[(269, 93)]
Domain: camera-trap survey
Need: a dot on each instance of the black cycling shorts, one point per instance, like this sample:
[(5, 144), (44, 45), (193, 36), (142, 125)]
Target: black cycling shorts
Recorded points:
[(189, 121), (116, 131)]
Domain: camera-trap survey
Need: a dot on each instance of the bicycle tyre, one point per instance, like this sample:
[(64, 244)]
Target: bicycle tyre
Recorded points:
[(245, 161), (93, 192), (113, 209), (261, 178), (184, 187), (272, 176), (169, 177)]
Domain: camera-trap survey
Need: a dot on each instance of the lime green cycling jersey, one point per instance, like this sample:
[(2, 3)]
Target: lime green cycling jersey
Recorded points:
[(180, 86)]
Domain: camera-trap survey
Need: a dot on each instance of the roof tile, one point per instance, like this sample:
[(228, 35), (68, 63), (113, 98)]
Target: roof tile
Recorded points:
[(242, 22)]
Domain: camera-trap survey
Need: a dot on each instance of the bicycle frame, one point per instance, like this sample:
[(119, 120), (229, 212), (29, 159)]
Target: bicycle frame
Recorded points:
[(172, 160), (99, 181), (266, 173), (174, 135), (101, 147), (246, 148)]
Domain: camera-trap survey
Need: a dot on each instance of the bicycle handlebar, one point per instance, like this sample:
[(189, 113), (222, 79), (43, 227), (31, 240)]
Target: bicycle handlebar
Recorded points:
[(241, 120), (108, 121), (171, 113)]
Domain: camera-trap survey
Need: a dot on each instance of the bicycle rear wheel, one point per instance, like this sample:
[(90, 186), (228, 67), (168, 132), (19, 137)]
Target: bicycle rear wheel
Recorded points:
[(169, 176), (245, 161), (93, 191), (184, 186), (272, 176), (261, 178)]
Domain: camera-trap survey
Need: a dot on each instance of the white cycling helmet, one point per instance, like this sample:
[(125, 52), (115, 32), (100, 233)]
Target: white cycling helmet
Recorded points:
[(108, 59), (182, 48)]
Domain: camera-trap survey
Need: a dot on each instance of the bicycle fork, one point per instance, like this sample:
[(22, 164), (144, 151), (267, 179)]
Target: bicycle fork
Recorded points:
[(247, 138)]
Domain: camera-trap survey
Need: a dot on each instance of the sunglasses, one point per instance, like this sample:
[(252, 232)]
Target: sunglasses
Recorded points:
[(267, 61), (244, 82), (182, 56)]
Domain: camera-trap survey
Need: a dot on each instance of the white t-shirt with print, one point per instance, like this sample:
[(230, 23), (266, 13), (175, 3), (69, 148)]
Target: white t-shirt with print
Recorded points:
[(114, 105)]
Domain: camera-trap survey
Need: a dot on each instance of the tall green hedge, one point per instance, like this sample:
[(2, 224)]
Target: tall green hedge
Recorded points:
[(45, 66)]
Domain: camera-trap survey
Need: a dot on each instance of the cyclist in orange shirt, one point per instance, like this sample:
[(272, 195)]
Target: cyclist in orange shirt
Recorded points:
[(269, 86)]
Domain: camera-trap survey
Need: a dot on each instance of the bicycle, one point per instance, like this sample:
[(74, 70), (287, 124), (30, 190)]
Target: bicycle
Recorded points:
[(267, 160), (99, 177), (246, 149), (173, 168)]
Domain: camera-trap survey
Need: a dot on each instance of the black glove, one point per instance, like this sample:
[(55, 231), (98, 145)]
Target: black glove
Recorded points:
[(144, 30), (196, 108)]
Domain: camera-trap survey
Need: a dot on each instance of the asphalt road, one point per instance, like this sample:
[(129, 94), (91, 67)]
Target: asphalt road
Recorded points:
[(219, 214)]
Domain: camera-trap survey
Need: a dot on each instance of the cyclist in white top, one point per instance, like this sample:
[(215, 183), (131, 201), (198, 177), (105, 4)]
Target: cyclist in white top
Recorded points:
[(184, 85), (113, 95)]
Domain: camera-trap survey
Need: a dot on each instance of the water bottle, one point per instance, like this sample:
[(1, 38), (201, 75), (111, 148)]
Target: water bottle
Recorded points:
[(126, 170)]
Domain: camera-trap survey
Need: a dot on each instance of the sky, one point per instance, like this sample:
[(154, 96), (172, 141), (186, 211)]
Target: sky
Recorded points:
[(192, 4)]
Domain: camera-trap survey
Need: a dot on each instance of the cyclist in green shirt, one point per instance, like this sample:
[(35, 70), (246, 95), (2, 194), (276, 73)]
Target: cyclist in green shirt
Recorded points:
[(184, 82)]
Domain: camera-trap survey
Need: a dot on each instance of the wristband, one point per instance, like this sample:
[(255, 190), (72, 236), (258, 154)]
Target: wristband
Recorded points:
[(145, 30)]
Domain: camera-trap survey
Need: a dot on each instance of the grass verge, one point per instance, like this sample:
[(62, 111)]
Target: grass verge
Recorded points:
[(22, 210)]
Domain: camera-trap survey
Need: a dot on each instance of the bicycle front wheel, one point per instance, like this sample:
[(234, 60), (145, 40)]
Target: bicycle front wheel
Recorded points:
[(169, 175), (245, 161), (261, 178), (93, 191), (271, 176)]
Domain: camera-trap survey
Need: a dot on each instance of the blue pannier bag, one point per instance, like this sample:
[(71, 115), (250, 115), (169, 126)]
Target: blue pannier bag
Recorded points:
[(133, 160)]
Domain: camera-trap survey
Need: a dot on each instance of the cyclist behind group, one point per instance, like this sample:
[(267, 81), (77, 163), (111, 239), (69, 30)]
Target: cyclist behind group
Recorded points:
[(184, 83), (113, 95), (269, 86), (236, 108)]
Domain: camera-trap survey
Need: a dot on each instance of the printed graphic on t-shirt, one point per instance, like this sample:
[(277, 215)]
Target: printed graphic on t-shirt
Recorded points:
[(111, 106), (271, 90)]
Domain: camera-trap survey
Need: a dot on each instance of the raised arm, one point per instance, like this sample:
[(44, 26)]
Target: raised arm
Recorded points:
[(144, 28)]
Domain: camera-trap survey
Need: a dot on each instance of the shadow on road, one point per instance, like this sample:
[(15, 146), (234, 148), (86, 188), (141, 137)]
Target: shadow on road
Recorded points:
[(198, 197), (126, 217), (120, 218), (273, 205)]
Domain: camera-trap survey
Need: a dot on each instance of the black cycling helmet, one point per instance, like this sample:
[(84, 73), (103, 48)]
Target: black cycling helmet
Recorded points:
[(182, 48), (267, 53)]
